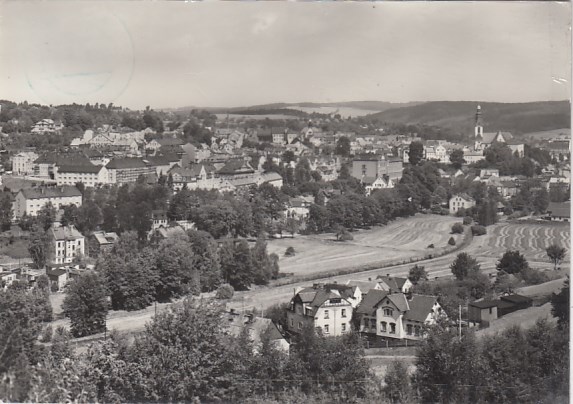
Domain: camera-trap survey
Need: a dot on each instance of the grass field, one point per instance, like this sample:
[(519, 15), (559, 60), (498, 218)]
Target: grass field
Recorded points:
[(399, 241), (531, 239)]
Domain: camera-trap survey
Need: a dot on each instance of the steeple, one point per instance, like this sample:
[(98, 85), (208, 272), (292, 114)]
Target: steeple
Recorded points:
[(479, 123)]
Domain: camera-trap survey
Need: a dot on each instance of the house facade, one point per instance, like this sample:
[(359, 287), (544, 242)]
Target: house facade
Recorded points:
[(127, 169), (68, 243), (461, 201), (377, 166), (397, 315), (23, 163), (322, 307), (30, 201), (90, 176)]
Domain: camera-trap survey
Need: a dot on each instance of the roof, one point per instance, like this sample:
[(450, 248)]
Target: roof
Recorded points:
[(464, 196), (364, 286), (104, 238), (271, 176), (157, 160), (399, 300), (236, 166), (559, 209), (50, 192), (420, 307), (515, 298), (394, 283), (56, 272), (66, 233), (370, 301), (169, 141), (256, 325), (93, 169), (126, 162), (484, 304)]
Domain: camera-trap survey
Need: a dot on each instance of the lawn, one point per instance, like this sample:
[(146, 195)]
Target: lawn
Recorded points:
[(397, 242)]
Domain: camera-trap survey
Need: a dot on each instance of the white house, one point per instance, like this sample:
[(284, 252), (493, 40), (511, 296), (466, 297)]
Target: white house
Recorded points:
[(90, 176), (461, 201), (29, 201), (68, 243), (23, 163)]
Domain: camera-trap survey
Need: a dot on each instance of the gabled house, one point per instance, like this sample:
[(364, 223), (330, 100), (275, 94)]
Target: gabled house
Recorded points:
[(461, 201), (395, 284), (322, 307), (372, 184), (559, 211), (29, 201), (397, 315), (67, 244), (101, 241), (235, 323)]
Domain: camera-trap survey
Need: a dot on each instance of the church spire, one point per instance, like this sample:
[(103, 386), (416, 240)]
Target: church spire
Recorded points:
[(479, 123)]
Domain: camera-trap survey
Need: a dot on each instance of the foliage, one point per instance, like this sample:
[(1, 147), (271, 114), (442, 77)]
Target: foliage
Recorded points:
[(478, 230), (464, 265), (560, 305), (452, 241), (512, 262), (236, 264), (342, 146), (39, 247), (457, 158), (290, 252), (397, 383), (86, 304), (457, 228), (556, 254), (225, 291), (417, 273), (176, 270), (415, 152), (467, 220), (206, 259)]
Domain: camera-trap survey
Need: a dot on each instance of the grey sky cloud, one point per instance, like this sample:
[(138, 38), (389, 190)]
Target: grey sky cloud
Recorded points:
[(168, 54)]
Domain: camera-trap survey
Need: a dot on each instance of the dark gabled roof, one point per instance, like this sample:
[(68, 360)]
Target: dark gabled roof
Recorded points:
[(157, 160), (126, 162), (56, 272), (515, 298), (420, 307), (79, 169), (236, 166), (484, 304), (399, 300), (395, 284), (370, 301), (50, 192), (169, 141)]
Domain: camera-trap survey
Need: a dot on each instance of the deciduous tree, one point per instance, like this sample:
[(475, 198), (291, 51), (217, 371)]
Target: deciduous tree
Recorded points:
[(86, 304), (556, 254), (463, 265)]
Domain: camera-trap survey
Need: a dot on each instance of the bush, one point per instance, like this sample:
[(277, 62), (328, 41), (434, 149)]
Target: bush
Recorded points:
[(478, 230), (533, 277), (225, 291), (289, 252), (430, 246), (457, 228), (451, 241), (468, 220), (46, 335)]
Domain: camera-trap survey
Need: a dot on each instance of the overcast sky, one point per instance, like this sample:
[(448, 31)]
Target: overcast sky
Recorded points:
[(172, 54)]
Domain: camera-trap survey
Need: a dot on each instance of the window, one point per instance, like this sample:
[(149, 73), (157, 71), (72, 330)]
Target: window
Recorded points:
[(343, 327), (373, 323), (326, 329), (383, 326), (388, 312), (392, 328), (409, 329), (326, 315), (490, 310), (300, 325), (291, 322), (343, 312), (417, 330)]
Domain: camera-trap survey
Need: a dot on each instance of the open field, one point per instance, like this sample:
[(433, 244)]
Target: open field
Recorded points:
[(223, 117), (397, 242), (564, 133), (524, 318), (345, 112), (531, 239)]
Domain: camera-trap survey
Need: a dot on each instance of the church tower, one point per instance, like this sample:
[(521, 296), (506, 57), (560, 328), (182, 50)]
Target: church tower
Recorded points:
[(479, 123)]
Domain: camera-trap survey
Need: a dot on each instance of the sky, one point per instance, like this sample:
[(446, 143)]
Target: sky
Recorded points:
[(224, 54)]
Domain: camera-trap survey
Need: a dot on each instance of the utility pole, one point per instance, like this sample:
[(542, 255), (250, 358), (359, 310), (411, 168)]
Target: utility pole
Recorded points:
[(460, 322)]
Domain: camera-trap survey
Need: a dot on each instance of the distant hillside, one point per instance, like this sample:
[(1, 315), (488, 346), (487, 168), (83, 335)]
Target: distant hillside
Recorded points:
[(459, 116), (309, 107)]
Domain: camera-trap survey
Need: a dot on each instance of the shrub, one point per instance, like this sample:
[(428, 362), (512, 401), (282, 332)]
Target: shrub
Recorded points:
[(532, 276), (478, 230), (289, 252), (430, 246), (451, 241), (46, 335), (457, 228), (225, 291), (468, 220)]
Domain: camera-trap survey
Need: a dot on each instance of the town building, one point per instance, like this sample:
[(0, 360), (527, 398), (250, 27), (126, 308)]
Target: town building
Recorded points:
[(89, 175), (46, 126), (30, 200), (101, 242), (321, 306), (68, 244), (124, 170), (385, 314), (484, 312), (23, 163), (461, 201), (559, 211), (377, 166), (236, 323)]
